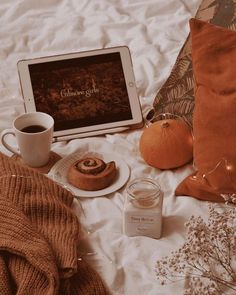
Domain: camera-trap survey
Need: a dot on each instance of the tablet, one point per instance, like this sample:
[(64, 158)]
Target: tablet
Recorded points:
[(87, 93)]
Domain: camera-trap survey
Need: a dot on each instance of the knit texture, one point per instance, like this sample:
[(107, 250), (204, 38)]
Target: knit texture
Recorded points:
[(39, 237)]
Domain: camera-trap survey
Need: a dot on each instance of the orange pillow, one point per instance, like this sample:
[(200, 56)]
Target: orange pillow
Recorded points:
[(214, 117)]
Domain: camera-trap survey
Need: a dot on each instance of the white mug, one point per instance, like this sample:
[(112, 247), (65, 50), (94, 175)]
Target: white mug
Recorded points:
[(34, 133)]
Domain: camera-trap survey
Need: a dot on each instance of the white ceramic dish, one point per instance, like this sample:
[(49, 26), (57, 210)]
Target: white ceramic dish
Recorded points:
[(60, 170)]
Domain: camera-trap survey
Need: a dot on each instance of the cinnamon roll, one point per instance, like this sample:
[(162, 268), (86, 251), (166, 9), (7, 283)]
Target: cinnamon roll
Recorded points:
[(92, 173)]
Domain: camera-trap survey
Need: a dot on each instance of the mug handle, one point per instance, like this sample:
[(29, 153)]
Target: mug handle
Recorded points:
[(5, 144)]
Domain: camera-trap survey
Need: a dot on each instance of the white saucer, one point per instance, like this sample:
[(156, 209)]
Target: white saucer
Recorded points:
[(60, 169)]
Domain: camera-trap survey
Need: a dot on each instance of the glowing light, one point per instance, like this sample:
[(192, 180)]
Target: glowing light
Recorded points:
[(229, 167)]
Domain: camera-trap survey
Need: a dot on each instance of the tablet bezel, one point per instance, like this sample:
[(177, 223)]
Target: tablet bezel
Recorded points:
[(137, 118)]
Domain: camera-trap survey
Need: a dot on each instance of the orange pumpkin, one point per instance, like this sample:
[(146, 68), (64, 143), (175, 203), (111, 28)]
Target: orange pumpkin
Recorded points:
[(167, 144)]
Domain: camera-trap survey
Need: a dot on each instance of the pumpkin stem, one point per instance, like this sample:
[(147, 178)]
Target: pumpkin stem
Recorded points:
[(165, 125)]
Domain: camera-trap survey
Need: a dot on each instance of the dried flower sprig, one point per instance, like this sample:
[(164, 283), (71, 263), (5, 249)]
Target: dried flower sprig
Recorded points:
[(207, 260), (229, 198)]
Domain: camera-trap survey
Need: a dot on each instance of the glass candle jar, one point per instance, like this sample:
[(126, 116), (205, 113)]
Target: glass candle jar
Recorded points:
[(143, 208)]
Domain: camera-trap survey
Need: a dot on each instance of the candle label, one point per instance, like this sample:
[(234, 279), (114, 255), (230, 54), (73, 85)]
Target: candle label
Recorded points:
[(146, 225), (143, 219)]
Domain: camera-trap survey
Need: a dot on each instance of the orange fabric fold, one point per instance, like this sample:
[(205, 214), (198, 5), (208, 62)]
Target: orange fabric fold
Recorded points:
[(214, 120)]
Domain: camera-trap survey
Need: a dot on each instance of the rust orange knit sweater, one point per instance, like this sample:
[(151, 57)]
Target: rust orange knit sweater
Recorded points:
[(39, 236)]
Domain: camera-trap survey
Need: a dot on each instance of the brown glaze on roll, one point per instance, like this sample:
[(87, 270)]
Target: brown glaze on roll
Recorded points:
[(92, 173)]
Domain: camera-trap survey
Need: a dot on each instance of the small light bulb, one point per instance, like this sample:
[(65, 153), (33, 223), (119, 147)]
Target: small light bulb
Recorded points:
[(229, 167)]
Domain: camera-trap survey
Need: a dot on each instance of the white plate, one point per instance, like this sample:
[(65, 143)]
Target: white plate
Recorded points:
[(60, 169)]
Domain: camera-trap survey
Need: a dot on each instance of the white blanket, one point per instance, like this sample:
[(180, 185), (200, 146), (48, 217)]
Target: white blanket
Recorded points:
[(154, 30)]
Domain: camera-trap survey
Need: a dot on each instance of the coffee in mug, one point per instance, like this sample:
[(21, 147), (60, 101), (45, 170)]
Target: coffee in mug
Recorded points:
[(33, 129), (34, 134)]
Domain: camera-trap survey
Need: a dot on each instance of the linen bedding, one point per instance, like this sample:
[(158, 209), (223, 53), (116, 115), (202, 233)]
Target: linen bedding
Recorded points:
[(155, 31)]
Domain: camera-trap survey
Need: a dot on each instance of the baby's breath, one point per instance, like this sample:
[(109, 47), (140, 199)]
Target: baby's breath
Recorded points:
[(207, 259)]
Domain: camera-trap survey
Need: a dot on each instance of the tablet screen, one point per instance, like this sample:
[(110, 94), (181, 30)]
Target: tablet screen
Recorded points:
[(82, 91)]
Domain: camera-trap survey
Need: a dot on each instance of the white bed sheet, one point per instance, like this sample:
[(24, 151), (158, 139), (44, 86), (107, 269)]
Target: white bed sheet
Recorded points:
[(154, 30)]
